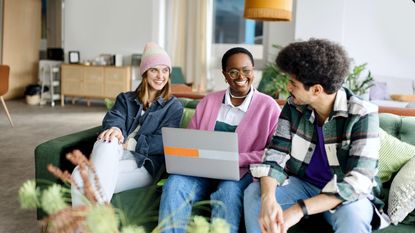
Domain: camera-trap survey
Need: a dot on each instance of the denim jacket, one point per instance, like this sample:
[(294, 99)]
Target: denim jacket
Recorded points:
[(126, 115)]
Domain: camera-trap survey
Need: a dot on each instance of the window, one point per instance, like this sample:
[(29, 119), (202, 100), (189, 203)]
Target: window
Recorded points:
[(229, 26)]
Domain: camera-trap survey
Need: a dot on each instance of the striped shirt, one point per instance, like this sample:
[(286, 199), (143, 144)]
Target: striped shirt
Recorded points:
[(351, 141)]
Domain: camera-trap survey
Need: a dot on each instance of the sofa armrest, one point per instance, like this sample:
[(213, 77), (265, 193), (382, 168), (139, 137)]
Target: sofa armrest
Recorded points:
[(54, 151)]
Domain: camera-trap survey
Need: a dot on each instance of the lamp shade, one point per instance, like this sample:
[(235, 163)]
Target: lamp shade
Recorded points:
[(268, 10)]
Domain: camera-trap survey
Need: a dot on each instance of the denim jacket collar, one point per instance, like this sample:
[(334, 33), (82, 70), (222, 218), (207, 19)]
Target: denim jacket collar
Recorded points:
[(160, 100)]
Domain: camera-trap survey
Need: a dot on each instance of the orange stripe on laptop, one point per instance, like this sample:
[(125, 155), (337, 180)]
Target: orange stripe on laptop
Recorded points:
[(178, 151)]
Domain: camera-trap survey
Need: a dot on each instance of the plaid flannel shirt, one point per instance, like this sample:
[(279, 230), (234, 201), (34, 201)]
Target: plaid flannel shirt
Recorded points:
[(351, 140)]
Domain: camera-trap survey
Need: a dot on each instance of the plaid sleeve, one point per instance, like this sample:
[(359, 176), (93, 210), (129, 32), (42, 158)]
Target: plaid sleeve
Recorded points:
[(361, 166)]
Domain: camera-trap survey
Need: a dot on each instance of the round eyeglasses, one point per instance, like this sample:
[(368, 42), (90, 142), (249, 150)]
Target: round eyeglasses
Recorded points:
[(235, 73)]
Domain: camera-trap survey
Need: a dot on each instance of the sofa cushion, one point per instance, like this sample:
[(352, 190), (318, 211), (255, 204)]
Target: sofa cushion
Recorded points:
[(378, 91), (188, 103), (189, 106), (139, 205), (393, 154), (402, 193), (187, 116), (402, 127)]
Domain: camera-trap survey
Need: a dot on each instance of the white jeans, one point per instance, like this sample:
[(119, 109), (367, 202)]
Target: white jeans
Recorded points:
[(116, 169)]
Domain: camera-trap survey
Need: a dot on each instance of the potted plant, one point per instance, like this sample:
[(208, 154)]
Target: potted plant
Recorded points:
[(359, 84), (274, 81)]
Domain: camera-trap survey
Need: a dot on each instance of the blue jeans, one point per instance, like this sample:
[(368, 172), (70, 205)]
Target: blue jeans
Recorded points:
[(353, 217), (181, 192)]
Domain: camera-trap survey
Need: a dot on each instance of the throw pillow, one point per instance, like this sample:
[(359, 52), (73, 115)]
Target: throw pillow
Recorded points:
[(402, 193), (378, 91), (393, 154)]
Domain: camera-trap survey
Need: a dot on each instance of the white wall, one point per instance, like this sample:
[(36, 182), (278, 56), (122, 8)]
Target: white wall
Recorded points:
[(381, 33), (320, 19), (375, 32), (279, 33), (94, 27)]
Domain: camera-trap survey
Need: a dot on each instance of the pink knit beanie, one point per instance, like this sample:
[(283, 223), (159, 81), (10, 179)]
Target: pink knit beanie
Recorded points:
[(153, 55)]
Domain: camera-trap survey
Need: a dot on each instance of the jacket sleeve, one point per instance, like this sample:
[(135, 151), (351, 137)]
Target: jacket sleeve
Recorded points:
[(116, 117), (253, 157), (362, 163), (153, 144), (277, 152)]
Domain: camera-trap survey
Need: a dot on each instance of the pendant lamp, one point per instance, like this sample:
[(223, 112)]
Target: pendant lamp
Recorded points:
[(268, 10)]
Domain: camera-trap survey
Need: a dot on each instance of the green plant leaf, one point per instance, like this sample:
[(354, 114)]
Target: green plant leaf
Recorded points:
[(358, 83), (29, 195), (274, 82)]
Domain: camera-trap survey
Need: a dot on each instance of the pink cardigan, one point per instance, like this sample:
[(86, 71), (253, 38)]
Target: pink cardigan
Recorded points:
[(254, 131)]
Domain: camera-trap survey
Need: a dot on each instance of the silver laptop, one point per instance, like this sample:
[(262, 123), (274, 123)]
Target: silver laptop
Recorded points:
[(211, 154)]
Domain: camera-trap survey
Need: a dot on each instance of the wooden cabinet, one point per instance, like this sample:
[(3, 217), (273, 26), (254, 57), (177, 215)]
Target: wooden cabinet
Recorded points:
[(116, 79), (94, 81)]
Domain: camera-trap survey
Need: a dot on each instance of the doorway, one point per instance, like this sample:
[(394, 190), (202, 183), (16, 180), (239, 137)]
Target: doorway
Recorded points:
[(52, 25)]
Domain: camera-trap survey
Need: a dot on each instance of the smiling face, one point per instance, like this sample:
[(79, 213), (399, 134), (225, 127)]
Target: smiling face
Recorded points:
[(299, 94), (239, 74), (157, 77)]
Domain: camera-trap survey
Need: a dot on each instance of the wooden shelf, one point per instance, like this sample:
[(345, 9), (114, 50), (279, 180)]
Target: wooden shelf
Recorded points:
[(94, 81)]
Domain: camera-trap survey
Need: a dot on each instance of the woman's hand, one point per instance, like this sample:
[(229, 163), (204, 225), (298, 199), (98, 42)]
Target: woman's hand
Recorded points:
[(109, 134), (271, 215)]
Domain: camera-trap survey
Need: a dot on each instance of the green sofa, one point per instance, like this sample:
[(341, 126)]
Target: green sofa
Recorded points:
[(141, 205)]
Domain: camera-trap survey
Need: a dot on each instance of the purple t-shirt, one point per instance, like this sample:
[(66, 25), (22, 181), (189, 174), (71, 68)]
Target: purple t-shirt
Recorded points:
[(318, 170)]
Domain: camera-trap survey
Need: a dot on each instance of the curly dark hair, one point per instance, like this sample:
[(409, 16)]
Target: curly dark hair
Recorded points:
[(316, 61), (234, 51)]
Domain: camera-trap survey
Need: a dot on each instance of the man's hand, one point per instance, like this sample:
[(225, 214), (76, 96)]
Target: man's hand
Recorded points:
[(317, 204), (292, 216), (108, 134), (271, 215)]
